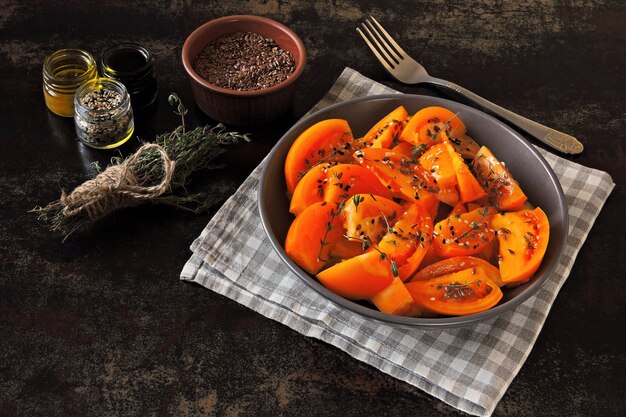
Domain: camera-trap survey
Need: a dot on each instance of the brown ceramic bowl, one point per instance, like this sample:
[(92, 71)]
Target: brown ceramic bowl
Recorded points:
[(243, 107)]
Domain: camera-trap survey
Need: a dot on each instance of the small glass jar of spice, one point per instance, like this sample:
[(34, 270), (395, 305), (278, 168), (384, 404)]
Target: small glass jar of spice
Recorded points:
[(103, 114), (63, 73)]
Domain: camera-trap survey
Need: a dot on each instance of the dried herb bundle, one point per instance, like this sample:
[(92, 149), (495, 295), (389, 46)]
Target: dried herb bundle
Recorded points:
[(158, 172)]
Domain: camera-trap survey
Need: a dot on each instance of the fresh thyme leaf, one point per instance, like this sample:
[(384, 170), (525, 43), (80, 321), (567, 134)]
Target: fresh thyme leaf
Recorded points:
[(393, 242), (443, 128), (483, 213), (394, 269), (366, 243), (334, 213), (418, 150), (357, 199)]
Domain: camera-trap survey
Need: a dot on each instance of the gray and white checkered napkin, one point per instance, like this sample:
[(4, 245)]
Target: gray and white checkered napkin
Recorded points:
[(469, 368)]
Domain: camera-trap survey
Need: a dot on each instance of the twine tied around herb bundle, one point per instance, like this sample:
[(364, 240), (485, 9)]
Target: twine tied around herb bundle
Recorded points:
[(158, 172), (116, 187)]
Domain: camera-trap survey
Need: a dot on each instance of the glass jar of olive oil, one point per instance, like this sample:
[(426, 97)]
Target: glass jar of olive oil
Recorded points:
[(63, 72)]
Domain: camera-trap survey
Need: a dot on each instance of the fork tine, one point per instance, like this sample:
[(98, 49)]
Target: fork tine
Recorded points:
[(379, 38), (389, 38), (382, 59), (382, 51)]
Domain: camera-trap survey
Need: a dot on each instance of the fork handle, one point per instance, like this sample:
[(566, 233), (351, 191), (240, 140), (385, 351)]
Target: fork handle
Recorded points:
[(558, 140)]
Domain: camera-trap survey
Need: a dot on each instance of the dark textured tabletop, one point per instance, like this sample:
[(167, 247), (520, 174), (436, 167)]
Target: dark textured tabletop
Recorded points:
[(101, 325)]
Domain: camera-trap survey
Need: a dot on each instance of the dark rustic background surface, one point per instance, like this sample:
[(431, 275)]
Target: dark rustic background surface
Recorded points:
[(101, 325)]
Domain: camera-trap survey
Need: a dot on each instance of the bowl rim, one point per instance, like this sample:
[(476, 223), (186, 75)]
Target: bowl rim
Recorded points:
[(402, 321), (188, 65)]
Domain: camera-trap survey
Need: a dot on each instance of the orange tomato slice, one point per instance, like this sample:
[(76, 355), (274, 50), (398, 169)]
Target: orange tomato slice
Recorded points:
[(464, 234), (334, 184), (311, 235), (329, 141), (458, 263), (468, 291), (396, 299), (425, 125), (358, 278), (443, 179), (469, 188), (503, 191), (407, 242), (367, 217), (523, 237), (382, 134), (402, 175)]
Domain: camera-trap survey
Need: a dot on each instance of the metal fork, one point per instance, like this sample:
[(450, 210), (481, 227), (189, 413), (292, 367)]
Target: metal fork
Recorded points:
[(408, 71)]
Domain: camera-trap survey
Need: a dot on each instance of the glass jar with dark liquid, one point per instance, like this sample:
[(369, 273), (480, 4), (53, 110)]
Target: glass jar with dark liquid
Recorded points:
[(132, 65)]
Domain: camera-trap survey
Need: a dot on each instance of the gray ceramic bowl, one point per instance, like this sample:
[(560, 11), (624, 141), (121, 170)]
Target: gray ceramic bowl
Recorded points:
[(526, 165)]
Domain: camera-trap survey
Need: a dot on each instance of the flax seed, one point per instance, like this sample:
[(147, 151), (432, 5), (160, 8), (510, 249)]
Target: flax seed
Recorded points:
[(244, 61)]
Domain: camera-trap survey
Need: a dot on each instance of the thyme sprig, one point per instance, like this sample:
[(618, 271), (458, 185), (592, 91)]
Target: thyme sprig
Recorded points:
[(334, 213), (390, 229), (356, 200), (475, 225), (366, 243), (444, 127), (418, 150)]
